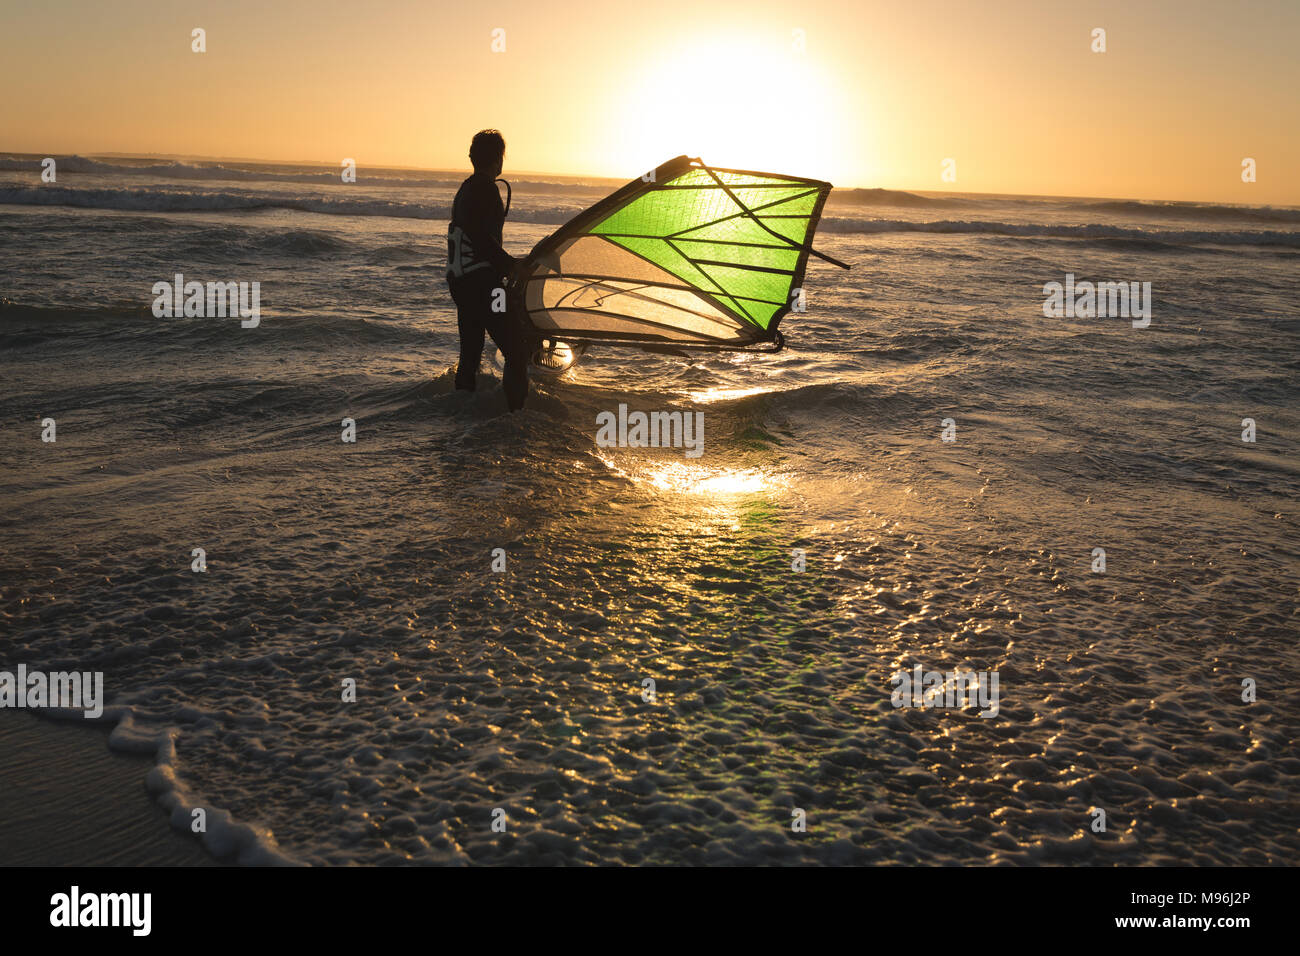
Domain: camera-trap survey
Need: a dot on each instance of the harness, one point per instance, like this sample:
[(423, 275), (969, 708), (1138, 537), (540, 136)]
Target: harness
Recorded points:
[(460, 251)]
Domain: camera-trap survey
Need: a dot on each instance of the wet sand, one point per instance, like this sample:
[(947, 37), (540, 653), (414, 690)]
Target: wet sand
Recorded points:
[(67, 800)]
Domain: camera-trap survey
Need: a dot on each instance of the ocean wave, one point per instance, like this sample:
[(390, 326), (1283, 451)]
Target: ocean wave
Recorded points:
[(24, 324), (17, 312), (168, 200), (1092, 231), (891, 197), (597, 187), (420, 254), (217, 172), (294, 242), (555, 214), (1190, 211), (83, 165)]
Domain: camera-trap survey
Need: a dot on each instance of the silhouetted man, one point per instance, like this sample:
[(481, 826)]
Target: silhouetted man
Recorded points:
[(477, 267)]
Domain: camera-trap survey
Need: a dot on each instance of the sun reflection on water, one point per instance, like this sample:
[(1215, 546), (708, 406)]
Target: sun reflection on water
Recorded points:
[(709, 395), (698, 480), (690, 478)]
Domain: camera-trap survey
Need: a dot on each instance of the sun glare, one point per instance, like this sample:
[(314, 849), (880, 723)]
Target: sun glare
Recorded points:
[(744, 102), (694, 479), (716, 394)]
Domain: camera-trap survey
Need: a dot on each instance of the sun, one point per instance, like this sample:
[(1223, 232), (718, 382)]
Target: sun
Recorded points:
[(743, 101)]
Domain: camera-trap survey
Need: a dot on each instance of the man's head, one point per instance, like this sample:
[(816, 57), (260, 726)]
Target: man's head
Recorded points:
[(486, 152)]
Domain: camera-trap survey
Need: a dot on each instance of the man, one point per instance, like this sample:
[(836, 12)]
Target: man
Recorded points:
[(477, 267)]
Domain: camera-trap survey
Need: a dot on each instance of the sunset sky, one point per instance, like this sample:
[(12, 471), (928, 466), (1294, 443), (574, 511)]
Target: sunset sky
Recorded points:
[(880, 95)]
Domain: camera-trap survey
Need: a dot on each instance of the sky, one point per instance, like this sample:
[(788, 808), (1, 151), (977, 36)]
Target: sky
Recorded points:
[(1007, 96)]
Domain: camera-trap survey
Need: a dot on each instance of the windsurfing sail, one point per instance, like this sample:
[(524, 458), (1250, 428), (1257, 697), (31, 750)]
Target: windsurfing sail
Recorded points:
[(686, 256)]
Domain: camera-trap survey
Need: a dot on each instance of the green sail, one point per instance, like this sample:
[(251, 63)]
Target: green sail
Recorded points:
[(688, 255)]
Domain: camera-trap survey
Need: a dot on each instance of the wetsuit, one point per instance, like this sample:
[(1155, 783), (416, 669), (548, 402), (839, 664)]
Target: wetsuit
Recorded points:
[(476, 267)]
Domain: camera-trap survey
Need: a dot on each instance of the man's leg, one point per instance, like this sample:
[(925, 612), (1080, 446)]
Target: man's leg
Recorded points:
[(517, 346), (469, 321), (515, 379)]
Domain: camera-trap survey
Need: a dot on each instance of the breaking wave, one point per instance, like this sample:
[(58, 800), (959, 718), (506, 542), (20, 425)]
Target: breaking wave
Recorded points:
[(251, 172), (549, 212)]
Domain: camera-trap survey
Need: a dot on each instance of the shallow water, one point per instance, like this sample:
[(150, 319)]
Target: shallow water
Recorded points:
[(522, 690)]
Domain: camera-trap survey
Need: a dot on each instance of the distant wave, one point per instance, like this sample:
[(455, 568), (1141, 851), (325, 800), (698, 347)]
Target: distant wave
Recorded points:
[(295, 242), (169, 200), (381, 176), (890, 197), (1190, 211), (178, 200), (169, 170), (217, 172), (23, 325), (1055, 231), (11, 311)]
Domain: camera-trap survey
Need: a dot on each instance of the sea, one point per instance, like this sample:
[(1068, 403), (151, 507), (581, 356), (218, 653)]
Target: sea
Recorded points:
[(474, 637)]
